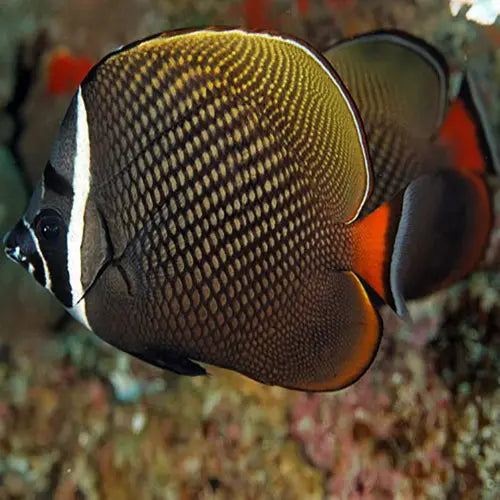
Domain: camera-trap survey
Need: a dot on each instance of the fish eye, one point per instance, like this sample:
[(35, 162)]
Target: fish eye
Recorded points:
[(48, 226)]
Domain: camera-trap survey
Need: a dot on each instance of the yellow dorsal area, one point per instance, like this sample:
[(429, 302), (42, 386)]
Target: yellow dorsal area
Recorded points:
[(298, 98)]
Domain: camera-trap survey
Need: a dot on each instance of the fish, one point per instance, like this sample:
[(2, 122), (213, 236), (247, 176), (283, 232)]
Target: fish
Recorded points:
[(203, 203), (65, 71), (257, 13), (445, 143)]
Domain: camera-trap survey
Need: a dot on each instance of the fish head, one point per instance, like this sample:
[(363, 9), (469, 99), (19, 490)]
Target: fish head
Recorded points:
[(60, 239), (38, 242)]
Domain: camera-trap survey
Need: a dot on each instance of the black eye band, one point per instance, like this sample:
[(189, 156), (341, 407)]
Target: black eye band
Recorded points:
[(49, 231), (54, 181), (38, 270)]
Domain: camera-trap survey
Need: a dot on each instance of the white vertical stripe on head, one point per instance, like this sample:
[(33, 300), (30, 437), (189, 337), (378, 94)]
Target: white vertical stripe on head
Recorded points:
[(81, 186), (48, 281)]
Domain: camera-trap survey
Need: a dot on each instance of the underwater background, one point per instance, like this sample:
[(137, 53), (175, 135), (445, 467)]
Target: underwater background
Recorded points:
[(81, 420)]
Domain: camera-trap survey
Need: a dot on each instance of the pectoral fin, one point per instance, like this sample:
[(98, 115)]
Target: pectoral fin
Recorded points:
[(168, 361)]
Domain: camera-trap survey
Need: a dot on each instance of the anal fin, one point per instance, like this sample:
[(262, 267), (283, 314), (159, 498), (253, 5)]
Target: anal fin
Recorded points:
[(341, 323)]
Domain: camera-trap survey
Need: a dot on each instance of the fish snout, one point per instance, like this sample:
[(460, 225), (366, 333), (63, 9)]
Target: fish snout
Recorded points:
[(14, 243)]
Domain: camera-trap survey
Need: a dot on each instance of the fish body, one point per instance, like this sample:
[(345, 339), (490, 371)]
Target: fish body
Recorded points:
[(203, 202)]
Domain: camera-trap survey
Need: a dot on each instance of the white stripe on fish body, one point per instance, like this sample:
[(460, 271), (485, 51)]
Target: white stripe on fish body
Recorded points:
[(79, 312), (81, 187)]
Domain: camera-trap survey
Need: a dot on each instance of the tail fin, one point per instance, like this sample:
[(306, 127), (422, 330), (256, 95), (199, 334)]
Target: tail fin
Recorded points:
[(467, 135), (430, 237)]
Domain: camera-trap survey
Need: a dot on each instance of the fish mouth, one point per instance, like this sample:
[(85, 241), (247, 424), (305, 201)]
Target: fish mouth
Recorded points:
[(13, 250), (20, 247)]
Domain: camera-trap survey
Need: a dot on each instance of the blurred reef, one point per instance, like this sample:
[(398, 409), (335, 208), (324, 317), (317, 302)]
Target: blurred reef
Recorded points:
[(80, 420)]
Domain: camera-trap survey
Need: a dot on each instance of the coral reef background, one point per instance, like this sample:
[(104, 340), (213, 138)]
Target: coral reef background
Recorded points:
[(78, 419)]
